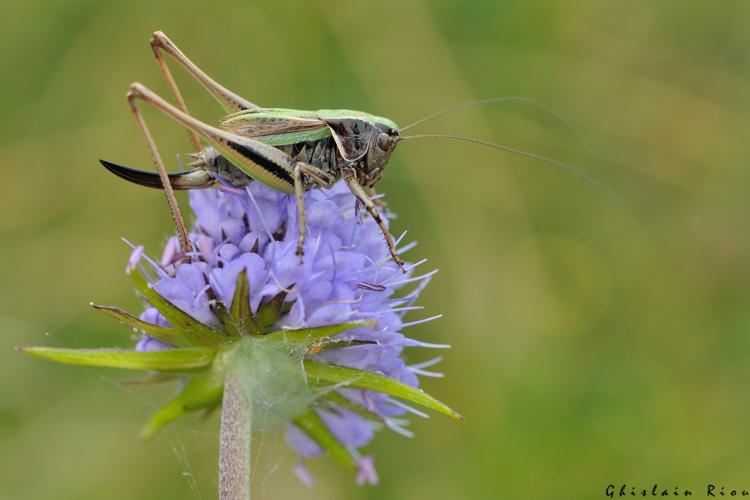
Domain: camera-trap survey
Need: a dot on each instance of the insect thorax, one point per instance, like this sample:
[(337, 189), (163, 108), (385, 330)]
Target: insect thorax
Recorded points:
[(320, 153)]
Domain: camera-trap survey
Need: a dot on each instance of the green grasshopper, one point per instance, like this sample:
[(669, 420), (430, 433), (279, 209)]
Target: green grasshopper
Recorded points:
[(289, 150)]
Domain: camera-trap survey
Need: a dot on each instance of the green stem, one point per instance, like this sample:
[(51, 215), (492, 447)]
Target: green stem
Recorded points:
[(236, 440)]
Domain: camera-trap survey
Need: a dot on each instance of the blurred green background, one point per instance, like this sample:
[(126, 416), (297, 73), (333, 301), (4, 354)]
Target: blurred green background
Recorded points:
[(594, 342)]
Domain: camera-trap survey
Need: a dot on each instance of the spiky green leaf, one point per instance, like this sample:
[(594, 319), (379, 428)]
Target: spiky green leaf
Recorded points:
[(168, 335), (201, 391), (230, 326), (193, 330), (314, 427), (337, 344), (339, 400), (240, 312), (269, 313), (362, 379), (170, 360), (319, 333)]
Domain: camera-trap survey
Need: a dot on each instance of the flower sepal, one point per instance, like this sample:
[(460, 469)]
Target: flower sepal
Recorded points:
[(193, 330), (171, 360), (324, 373), (201, 391)]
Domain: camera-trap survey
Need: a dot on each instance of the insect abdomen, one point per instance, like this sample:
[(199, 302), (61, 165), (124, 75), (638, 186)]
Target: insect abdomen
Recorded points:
[(321, 153)]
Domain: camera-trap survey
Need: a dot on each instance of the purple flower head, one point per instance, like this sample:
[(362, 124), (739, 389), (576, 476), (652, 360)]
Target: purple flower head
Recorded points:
[(319, 344)]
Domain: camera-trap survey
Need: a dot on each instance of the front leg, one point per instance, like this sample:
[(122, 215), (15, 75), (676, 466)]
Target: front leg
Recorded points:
[(358, 191), (321, 179)]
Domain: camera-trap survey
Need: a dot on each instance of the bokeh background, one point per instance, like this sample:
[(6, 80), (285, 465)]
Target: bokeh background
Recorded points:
[(595, 342)]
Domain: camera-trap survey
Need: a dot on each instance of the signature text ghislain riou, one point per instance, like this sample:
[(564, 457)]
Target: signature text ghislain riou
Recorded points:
[(711, 490)]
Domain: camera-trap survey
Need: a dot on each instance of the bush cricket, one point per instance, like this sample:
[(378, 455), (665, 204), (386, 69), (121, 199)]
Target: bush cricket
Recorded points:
[(289, 150)]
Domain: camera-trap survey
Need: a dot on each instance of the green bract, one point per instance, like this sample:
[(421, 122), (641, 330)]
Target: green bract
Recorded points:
[(276, 368)]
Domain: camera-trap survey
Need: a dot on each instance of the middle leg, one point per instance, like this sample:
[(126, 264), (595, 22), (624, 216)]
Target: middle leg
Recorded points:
[(320, 178)]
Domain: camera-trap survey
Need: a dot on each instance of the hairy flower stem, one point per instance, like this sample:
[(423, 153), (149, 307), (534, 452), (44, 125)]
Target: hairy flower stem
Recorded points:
[(236, 441)]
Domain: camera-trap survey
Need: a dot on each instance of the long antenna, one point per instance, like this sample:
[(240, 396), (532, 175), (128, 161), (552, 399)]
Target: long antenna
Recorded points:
[(521, 100), (525, 154)]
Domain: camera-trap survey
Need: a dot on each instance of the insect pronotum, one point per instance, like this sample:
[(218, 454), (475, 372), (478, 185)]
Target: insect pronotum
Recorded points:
[(289, 150)]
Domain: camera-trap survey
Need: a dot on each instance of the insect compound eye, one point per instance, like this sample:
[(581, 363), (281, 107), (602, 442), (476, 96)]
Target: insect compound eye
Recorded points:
[(384, 142)]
